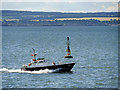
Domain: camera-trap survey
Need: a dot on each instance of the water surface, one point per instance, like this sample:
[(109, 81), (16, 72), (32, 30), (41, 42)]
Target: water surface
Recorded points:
[(94, 48)]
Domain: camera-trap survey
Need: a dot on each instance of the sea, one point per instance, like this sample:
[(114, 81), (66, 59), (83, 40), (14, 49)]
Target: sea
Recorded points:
[(94, 50)]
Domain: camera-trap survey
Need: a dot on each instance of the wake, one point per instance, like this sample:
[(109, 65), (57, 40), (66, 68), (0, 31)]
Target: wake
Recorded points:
[(31, 72)]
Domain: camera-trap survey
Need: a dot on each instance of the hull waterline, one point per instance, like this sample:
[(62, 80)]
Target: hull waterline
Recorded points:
[(60, 68)]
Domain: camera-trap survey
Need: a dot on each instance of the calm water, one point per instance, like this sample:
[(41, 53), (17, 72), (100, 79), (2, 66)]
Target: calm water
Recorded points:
[(94, 48)]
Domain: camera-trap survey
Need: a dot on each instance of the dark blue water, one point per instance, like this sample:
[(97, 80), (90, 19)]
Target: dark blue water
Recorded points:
[(94, 48)]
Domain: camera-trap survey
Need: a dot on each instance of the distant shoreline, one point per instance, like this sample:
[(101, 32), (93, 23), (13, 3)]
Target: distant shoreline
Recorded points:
[(55, 25), (29, 18)]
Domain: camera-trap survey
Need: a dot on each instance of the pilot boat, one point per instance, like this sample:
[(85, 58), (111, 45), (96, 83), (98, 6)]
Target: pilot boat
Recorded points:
[(41, 64)]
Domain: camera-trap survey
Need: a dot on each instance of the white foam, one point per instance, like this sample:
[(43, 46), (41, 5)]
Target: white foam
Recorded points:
[(31, 72)]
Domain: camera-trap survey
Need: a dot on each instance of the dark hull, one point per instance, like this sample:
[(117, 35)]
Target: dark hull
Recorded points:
[(59, 68)]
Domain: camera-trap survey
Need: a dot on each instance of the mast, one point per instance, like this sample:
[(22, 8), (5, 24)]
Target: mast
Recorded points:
[(68, 50), (34, 55)]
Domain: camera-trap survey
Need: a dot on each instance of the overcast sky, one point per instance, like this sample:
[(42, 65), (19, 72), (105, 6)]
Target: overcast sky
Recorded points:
[(58, 6)]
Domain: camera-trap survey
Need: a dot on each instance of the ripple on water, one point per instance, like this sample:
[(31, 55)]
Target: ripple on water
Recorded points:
[(94, 49)]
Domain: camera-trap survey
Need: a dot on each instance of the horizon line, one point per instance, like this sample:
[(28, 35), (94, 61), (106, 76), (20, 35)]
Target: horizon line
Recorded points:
[(62, 11)]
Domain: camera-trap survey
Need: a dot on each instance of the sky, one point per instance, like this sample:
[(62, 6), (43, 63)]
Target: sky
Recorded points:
[(61, 6)]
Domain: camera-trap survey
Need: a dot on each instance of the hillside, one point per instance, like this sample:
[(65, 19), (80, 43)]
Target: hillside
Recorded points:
[(28, 18)]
